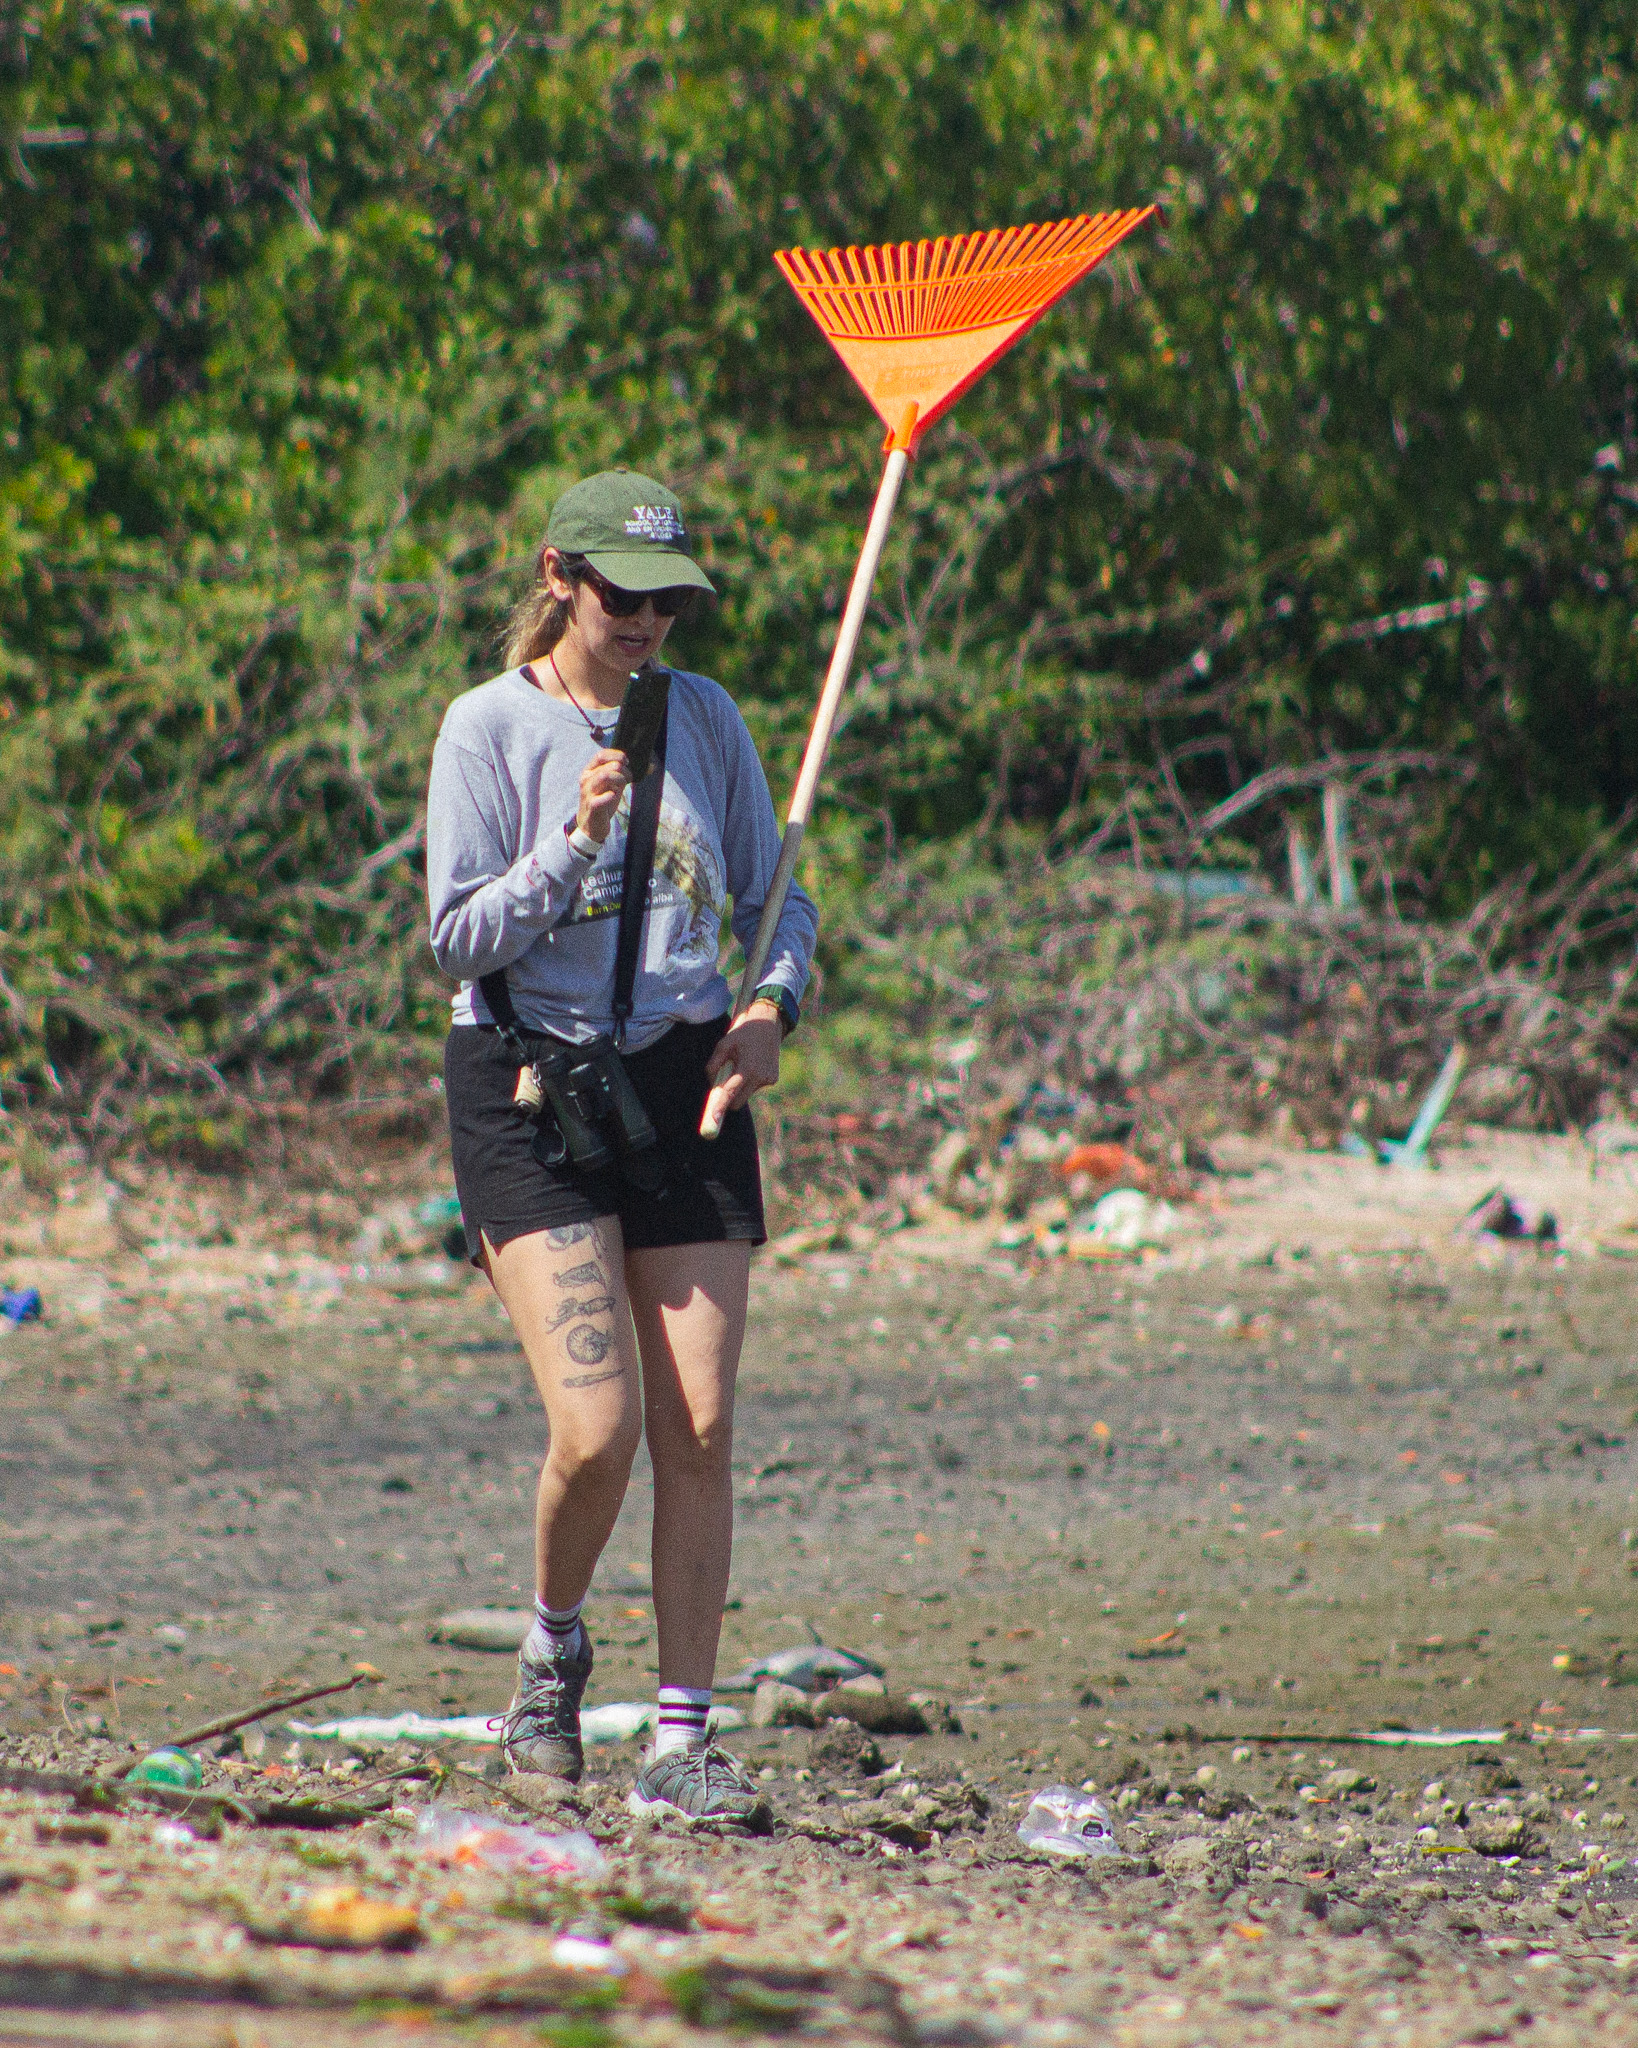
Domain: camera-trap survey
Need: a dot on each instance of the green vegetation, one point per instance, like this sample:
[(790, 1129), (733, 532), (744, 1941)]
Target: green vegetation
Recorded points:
[(309, 308)]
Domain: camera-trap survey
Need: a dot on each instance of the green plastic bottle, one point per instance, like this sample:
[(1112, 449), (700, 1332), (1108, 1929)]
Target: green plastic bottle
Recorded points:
[(166, 1767)]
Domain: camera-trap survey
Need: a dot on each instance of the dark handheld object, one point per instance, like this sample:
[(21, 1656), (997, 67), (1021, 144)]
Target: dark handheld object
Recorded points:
[(640, 717), (598, 1113)]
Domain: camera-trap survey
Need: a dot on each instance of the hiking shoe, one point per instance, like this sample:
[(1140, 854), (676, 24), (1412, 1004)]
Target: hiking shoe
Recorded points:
[(703, 1784), (541, 1731)]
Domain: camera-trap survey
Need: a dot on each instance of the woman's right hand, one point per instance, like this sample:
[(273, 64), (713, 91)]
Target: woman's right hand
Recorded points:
[(603, 781)]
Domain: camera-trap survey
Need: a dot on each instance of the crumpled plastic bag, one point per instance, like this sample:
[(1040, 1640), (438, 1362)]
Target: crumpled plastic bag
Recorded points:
[(472, 1841), (1064, 1822), (1126, 1221)]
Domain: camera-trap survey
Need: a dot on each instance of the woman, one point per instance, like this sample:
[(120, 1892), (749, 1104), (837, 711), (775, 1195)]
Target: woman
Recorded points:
[(526, 839)]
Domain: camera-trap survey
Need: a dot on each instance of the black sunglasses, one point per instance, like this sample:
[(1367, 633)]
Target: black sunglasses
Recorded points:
[(672, 603)]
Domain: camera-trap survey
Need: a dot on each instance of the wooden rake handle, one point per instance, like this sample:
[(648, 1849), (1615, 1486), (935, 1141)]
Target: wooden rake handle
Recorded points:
[(824, 725)]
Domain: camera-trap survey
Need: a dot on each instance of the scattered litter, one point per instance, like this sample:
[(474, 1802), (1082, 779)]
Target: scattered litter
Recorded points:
[(1111, 1164), (401, 1728), (814, 1667), (339, 1916), (1427, 1738), (167, 1767), (175, 1834), (575, 1952), (1168, 1644), (408, 1276), (1063, 1822), (474, 1841), (1389, 1738), (1414, 1151), (203, 1809), (1497, 1214), (621, 1721), (483, 1628), (1125, 1221), (20, 1305)]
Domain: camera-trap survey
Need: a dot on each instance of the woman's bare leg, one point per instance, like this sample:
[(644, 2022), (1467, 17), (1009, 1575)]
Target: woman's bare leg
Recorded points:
[(565, 1293), (688, 1303)]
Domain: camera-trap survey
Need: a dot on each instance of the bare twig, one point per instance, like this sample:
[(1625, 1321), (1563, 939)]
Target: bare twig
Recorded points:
[(224, 1724)]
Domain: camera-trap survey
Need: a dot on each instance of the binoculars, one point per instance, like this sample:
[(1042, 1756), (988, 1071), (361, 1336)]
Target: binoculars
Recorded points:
[(596, 1118)]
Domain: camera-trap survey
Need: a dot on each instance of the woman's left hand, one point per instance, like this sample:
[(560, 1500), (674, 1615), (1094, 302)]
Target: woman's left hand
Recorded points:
[(745, 1058)]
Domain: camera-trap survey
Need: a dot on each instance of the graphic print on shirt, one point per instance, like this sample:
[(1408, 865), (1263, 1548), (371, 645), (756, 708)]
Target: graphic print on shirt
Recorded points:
[(686, 872)]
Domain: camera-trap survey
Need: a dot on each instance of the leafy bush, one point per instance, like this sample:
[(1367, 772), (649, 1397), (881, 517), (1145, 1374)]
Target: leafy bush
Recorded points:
[(308, 310)]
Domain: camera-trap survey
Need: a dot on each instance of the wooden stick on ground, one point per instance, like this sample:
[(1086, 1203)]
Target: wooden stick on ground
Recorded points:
[(224, 1724)]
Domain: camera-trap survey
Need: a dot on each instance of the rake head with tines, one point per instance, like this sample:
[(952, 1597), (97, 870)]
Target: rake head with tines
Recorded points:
[(917, 323)]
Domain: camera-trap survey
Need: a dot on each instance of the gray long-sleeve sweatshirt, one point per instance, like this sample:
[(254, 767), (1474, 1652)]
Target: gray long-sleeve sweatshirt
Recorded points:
[(506, 889)]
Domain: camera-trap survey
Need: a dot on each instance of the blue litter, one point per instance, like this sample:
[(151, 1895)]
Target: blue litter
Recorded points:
[(1202, 885), (21, 1305)]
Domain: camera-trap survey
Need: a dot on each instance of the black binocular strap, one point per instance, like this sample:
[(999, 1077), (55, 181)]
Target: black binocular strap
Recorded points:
[(642, 836)]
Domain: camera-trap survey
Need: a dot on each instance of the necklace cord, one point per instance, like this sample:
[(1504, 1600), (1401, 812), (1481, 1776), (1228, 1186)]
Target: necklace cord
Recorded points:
[(592, 727)]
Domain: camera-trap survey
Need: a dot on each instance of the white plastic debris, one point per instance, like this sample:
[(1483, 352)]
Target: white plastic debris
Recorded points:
[(401, 1728), (620, 1721), (475, 1842), (1064, 1822), (575, 1952), (1430, 1738), (1125, 1221), (811, 1666)]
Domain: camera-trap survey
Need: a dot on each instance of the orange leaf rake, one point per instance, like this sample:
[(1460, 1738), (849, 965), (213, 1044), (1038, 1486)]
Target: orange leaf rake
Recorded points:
[(917, 324)]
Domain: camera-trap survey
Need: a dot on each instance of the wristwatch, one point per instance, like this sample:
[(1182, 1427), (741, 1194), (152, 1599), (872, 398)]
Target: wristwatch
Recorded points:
[(790, 1010)]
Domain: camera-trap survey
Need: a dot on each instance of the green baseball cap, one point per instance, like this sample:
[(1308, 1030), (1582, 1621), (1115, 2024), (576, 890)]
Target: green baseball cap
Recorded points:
[(630, 528)]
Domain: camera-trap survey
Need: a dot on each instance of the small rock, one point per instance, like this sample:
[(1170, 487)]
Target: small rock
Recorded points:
[(843, 1750), (537, 1793), (882, 1713), (867, 1681), (1498, 1834), (1206, 1777), (1347, 1782), (483, 1628), (1190, 1860), (1343, 1917), (781, 1706), (1423, 1892)]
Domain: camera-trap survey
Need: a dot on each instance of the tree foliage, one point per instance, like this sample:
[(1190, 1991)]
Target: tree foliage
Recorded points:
[(308, 308)]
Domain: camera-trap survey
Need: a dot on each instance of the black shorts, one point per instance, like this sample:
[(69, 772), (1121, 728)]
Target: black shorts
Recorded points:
[(713, 1187)]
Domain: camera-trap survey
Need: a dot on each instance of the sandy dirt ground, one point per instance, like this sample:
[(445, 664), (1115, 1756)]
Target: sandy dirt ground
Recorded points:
[(1179, 1527)]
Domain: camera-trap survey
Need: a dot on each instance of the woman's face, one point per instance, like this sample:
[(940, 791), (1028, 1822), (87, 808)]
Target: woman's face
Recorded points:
[(618, 645)]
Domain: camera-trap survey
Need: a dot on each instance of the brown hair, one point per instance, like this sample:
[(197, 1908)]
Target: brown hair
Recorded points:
[(539, 619)]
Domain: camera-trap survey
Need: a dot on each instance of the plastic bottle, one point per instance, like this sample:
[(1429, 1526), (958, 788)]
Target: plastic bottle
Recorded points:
[(1064, 1822), (167, 1767)]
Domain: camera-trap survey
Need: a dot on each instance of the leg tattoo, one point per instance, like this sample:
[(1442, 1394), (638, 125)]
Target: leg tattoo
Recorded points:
[(591, 1274), (586, 1344)]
